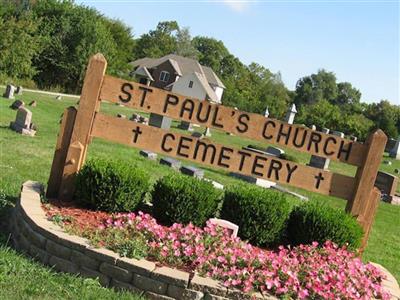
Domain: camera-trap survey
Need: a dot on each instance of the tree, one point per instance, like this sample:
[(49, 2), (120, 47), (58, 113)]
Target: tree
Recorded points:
[(321, 113), (385, 116), (158, 42), (184, 45), (212, 53), (18, 45), (317, 87)]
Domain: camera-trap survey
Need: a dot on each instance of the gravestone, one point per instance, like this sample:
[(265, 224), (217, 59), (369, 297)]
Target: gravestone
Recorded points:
[(232, 228), (58, 97), (197, 135), (290, 114), (257, 181), (9, 93), (217, 185), (22, 123), (207, 132), (266, 113), (160, 121), (313, 127), (390, 145), (274, 151), (318, 161), (148, 154), (17, 104), (121, 116), (18, 90), (33, 103), (170, 162), (192, 171), (353, 138), (387, 184), (338, 133), (185, 126), (395, 152)]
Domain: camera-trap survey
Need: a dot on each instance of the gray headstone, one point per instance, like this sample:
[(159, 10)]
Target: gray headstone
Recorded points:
[(338, 133), (325, 130), (275, 151), (387, 184), (9, 93), (18, 90), (17, 104), (121, 116), (33, 103), (160, 121), (58, 97), (319, 162), (257, 181), (185, 126), (170, 162), (390, 145), (148, 154), (395, 152), (197, 135), (313, 127), (192, 171), (353, 138), (23, 122)]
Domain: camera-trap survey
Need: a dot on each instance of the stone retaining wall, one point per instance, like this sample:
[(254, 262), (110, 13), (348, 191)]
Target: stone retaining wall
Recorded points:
[(34, 235), (46, 242)]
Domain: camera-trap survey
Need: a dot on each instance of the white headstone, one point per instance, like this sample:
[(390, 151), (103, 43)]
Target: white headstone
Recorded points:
[(207, 132), (266, 113), (290, 114), (395, 152)]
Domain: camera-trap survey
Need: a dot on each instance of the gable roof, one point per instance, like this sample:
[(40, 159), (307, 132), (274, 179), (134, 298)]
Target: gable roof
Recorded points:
[(209, 91), (142, 71), (183, 64)]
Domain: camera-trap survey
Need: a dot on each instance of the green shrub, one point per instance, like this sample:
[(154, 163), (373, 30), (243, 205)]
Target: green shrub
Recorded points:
[(261, 214), (315, 221), (183, 199), (111, 186)]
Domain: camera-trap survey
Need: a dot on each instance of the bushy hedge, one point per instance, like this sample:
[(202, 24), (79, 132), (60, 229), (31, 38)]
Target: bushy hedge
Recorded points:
[(261, 214), (315, 221), (183, 199), (111, 185)]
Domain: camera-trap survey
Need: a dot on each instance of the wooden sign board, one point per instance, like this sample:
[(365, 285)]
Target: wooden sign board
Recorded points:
[(86, 123)]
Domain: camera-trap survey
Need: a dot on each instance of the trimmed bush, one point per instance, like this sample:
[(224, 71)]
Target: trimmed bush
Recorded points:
[(183, 199), (315, 221), (261, 214), (111, 186)]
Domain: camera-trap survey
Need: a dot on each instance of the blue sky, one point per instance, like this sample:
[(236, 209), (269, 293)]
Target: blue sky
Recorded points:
[(357, 40)]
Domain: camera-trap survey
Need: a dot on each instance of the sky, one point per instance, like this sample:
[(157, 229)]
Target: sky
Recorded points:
[(358, 40)]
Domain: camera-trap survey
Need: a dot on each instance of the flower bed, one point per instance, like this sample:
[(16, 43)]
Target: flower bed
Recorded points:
[(306, 271)]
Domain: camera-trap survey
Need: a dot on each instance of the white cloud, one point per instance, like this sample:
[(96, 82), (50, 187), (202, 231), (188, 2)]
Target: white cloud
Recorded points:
[(238, 5)]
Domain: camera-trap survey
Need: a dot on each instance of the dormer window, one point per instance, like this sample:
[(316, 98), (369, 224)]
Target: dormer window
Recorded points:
[(190, 84), (164, 76)]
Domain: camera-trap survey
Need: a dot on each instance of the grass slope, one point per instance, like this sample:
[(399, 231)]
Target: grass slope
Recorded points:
[(24, 158)]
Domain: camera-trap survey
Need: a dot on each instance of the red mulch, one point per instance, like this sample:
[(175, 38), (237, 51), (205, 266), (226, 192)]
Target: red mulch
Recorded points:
[(83, 218)]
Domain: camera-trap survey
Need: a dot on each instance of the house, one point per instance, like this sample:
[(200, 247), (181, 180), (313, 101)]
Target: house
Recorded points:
[(180, 75)]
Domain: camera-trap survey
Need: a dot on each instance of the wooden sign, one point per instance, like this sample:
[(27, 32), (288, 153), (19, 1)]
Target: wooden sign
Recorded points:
[(80, 126)]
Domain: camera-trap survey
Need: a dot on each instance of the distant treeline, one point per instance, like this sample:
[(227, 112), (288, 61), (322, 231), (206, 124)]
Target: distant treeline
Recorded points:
[(47, 43)]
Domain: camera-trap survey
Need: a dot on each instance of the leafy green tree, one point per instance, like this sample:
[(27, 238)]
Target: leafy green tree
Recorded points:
[(184, 45), (18, 45), (347, 94), (158, 42), (213, 53), (316, 87), (321, 113), (385, 116), (357, 125)]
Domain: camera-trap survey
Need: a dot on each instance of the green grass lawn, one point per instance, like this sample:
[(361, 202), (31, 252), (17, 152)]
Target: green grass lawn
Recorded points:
[(25, 158)]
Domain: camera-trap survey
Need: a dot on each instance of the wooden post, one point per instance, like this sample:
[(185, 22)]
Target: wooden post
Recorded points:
[(365, 201), (63, 141), (80, 137)]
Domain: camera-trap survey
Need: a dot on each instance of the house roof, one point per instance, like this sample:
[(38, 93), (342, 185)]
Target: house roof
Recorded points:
[(209, 91), (182, 66), (142, 71)]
